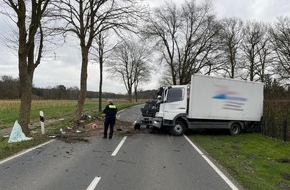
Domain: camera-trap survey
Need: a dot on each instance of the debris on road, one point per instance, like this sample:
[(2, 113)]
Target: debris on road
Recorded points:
[(17, 135)]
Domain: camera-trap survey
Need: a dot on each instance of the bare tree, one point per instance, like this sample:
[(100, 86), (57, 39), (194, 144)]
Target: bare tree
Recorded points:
[(130, 64), (184, 36), (100, 49), (199, 30), (254, 45), (29, 17), (266, 57), (163, 26), (142, 67), (87, 19), (230, 36), (103, 50), (280, 38)]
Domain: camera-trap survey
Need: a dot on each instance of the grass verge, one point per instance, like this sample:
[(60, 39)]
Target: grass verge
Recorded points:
[(8, 149), (255, 161)]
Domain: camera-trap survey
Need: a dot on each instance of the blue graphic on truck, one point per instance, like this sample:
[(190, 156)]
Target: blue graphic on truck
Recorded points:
[(232, 101), (226, 97)]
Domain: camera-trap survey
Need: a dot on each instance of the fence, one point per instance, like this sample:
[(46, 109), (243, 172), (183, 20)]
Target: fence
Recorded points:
[(276, 117), (276, 128)]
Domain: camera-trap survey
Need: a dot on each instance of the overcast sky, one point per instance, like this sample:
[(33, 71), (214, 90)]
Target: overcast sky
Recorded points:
[(57, 71)]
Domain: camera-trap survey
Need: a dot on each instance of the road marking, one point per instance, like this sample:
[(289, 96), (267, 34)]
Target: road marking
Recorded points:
[(24, 152), (227, 180), (94, 183), (119, 146)]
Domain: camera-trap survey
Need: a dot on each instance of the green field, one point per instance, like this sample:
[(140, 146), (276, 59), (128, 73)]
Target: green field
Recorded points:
[(53, 109)]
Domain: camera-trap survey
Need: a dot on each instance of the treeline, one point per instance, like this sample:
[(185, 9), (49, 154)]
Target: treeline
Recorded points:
[(274, 91), (10, 89)]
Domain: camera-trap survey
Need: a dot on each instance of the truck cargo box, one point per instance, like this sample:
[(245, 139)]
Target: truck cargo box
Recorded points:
[(225, 99)]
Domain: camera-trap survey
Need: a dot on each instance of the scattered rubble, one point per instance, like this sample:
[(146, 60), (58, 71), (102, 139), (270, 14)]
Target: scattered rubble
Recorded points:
[(82, 132)]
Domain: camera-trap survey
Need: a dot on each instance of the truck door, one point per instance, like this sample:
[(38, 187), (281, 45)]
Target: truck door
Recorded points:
[(175, 102)]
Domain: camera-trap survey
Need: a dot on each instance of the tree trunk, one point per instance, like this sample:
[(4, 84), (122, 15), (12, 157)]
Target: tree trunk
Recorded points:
[(25, 80), (83, 83), (130, 93), (101, 83), (232, 72), (252, 71), (136, 94)]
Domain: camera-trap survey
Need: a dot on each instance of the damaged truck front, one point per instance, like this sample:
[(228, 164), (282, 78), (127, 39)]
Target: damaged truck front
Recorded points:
[(210, 103), (149, 110)]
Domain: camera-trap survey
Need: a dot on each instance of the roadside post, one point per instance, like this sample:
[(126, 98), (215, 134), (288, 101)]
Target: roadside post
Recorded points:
[(41, 117), (285, 131)]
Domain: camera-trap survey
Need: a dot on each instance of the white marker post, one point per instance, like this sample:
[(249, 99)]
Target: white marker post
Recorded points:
[(41, 117)]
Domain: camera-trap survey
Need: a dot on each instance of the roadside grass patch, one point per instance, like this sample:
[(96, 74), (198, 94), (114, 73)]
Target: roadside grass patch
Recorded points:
[(255, 161), (8, 149)]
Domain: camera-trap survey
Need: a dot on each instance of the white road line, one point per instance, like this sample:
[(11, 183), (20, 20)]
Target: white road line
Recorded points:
[(24, 152), (119, 146), (94, 183), (227, 180)]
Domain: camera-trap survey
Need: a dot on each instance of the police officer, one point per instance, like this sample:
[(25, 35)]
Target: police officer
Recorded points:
[(110, 118)]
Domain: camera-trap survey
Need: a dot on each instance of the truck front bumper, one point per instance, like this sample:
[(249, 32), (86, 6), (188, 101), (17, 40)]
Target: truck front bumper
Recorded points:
[(157, 122), (146, 120)]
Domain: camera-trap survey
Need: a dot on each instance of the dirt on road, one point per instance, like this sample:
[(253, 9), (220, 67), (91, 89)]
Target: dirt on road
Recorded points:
[(82, 132)]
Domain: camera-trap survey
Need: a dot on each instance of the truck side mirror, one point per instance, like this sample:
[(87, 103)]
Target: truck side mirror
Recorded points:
[(159, 99)]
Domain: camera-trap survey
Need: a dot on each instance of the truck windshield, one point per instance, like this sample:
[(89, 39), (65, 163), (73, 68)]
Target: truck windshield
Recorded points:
[(175, 94)]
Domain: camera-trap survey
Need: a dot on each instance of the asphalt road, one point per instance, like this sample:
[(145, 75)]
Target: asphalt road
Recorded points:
[(131, 114), (144, 162)]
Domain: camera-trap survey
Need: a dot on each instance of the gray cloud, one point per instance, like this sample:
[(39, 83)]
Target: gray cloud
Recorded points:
[(259, 10)]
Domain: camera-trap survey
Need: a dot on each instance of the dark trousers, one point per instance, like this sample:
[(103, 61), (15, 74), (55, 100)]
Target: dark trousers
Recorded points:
[(107, 123)]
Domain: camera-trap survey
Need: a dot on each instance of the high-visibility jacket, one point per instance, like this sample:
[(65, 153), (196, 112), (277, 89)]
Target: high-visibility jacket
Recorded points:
[(110, 111)]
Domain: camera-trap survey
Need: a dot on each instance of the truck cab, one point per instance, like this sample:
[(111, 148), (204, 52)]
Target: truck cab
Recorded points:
[(173, 104)]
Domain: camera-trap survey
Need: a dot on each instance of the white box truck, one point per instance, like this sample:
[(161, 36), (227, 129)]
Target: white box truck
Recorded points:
[(210, 103)]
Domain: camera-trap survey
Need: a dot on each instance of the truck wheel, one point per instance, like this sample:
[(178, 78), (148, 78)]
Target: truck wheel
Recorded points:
[(178, 129), (137, 126), (235, 128)]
